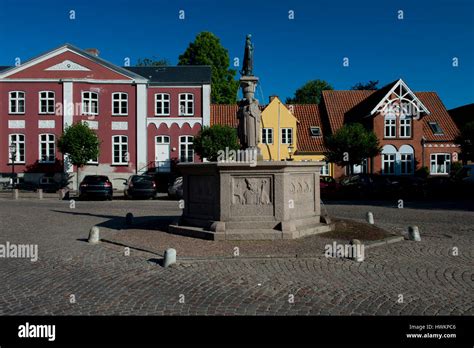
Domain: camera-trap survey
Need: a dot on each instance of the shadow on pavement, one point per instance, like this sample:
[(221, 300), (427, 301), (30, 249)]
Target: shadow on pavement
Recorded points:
[(159, 223)]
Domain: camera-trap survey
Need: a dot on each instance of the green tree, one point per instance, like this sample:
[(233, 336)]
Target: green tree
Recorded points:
[(350, 145), (80, 144), (466, 140), (154, 61), (309, 93), (369, 86), (211, 140), (207, 50)]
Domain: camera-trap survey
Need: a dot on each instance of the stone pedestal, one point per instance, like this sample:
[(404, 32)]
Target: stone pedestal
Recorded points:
[(234, 201)]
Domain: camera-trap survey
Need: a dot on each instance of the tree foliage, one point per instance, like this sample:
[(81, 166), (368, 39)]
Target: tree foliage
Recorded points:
[(351, 144), (211, 140), (310, 92), (80, 143), (466, 140), (207, 50), (154, 61), (369, 86)]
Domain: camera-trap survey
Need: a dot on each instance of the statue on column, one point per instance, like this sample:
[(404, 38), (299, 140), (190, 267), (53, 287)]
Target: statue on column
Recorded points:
[(249, 111), (248, 57)]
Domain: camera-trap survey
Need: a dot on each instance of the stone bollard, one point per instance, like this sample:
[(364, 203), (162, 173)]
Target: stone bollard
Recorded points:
[(129, 219), (94, 235), (40, 193), (16, 193), (358, 250), (414, 233), (370, 218), (170, 257)]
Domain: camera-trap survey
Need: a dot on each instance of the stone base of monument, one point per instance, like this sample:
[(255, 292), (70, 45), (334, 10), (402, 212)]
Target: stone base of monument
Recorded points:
[(236, 201)]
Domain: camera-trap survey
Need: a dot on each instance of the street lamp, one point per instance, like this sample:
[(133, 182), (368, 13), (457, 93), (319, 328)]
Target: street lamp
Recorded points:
[(12, 149), (290, 152)]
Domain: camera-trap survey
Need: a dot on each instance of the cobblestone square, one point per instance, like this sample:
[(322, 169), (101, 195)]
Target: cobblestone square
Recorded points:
[(73, 277)]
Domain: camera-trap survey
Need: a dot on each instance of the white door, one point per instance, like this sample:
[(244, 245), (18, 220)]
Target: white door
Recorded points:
[(162, 153)]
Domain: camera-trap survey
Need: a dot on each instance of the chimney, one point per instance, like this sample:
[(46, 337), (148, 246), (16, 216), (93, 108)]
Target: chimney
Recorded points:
[(273, 97), (92, 51)]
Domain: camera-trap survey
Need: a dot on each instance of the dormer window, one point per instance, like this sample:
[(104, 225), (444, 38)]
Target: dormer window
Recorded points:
[(435, 128), (315, 131)]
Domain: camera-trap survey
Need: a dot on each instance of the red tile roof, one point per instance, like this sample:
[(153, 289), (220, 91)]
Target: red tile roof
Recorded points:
[(340, 105), (308, 116), (439, 114), (225, 114)]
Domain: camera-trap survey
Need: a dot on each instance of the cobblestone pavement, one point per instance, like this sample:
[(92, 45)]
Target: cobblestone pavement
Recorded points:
[(101, 280)]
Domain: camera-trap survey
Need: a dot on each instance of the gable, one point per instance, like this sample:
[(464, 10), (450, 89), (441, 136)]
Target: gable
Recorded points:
[(68, 62), (400, 97), (271, 111)]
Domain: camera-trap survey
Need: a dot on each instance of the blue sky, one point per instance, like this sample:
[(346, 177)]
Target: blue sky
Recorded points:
[(288, 53)]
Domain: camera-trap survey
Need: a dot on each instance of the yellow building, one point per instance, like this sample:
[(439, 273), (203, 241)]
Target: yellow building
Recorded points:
[(295, 129), (279, 131)]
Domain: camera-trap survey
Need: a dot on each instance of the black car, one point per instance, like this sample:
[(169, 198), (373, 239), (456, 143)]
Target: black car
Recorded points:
[(140, 186), (96, 186)]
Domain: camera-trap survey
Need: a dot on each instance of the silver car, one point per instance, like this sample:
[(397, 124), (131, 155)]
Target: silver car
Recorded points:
[(175, 190)]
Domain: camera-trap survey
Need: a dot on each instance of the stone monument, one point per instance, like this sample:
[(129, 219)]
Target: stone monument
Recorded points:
[(232, 200)]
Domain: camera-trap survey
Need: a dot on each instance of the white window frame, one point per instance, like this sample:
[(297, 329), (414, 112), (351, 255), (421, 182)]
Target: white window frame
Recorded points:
[(49, 144), (186, 98), (315, 129), (89, 100), (160, 98), (390, 123), (186, 141), (267, 133), (17, 143), (120, 100), (405, 127), (123, 149), (286, 135), (16, 99), (325, 170), (386, 161), (162, 139), (406, 158), (46, 99), (446, 164)]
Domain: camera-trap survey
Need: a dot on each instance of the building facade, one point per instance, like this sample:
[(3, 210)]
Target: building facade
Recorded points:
[(145, 117), (414, 129)]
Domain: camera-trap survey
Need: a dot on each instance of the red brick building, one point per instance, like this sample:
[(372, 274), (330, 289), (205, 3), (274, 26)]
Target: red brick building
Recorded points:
[(145, 117)]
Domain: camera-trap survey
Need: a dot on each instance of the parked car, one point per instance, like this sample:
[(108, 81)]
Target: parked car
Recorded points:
[(464, 180), (96, 186), (140, 186), (175, 190), (329, 186), (48, 184), (368, 186), (466, 174)]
